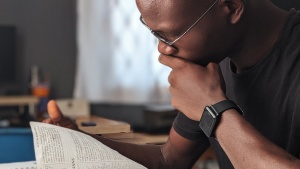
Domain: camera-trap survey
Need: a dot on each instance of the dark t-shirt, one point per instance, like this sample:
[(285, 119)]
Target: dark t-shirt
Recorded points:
[(268, 93)]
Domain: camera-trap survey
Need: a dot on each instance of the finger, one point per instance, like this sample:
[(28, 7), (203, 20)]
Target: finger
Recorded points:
[(48, 121), (54, 112), (172, 62), (212, 66), (172, 78)]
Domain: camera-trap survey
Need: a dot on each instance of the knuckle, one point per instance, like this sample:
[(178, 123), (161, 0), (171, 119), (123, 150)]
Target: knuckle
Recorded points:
[(172, 79), (170, 89), (212, 65), (161, 58), (48, 121), (175, 104)]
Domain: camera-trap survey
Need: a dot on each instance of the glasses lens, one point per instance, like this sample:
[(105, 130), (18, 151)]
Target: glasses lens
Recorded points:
[(158, 36)]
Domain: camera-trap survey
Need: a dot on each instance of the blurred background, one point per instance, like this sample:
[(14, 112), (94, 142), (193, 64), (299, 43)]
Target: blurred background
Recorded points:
[(91, 50)]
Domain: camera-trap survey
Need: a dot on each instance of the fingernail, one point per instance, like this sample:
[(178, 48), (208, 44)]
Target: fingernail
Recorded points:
[(171, 50)]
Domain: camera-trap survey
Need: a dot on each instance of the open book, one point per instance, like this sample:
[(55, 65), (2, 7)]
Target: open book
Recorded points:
[(58, 147)]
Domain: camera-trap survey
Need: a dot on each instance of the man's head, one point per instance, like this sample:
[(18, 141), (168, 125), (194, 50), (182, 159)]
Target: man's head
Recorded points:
[(210, 39)]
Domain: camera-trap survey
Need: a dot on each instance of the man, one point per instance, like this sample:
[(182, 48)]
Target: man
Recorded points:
[(259, 46)]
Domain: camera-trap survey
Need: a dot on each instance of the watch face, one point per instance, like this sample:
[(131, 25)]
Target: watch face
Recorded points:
[(207, 122)]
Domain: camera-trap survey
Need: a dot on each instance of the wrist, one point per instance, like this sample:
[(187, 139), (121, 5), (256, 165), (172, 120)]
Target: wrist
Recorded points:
[(228, 118)]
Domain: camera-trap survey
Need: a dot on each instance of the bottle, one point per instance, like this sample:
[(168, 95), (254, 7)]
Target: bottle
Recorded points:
[(41, 89), (34, 72)]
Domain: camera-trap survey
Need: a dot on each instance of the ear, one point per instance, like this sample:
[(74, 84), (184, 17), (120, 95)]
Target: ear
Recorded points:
[(235, 9)]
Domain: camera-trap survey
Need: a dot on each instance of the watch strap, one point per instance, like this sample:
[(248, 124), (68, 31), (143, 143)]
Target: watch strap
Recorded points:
[(212, 114), (224, 105)]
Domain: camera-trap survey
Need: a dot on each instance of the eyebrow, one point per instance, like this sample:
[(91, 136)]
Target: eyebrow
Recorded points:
[(172, 30)]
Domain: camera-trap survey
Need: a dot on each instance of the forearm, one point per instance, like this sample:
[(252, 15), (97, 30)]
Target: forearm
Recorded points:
[(148, 155), (176, 153), (247, 148)]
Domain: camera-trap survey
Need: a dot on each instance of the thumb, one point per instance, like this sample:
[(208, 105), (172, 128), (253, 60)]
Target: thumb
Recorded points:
[(54, 112)]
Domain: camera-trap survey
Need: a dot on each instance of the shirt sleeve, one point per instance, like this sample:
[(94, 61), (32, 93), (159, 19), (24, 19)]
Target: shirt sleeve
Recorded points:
[(188, 128)]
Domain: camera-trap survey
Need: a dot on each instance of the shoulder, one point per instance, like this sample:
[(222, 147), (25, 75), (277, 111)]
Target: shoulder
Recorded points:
[(288, 47), (291, 30)]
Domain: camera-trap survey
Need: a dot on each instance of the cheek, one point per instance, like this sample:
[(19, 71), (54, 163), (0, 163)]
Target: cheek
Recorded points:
[(198, 47), (208, 44)]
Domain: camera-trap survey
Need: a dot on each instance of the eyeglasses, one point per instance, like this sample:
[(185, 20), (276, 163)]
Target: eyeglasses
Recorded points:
[(163, 39)]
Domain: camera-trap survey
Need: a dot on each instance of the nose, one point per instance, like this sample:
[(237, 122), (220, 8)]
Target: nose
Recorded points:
[(166, 49)]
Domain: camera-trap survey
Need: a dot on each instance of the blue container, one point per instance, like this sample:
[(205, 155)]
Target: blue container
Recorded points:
[(16, 145)]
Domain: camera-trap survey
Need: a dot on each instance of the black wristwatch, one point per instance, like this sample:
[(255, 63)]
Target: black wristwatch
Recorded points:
[(212, 115)]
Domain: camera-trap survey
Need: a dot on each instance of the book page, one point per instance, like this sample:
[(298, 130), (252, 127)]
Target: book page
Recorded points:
[(58, 147)]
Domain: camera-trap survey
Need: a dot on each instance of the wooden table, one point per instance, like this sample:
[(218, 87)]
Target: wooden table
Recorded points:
[(138, 138), (100, 125), (117, 130)]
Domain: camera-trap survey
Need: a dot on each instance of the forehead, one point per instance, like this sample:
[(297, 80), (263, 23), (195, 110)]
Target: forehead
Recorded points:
[(166, 14)]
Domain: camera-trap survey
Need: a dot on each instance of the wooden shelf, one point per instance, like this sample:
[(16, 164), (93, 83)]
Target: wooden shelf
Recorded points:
[(21, 101), (18, 100)]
